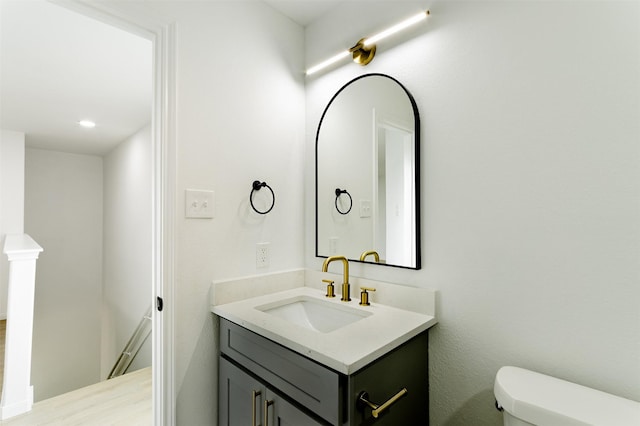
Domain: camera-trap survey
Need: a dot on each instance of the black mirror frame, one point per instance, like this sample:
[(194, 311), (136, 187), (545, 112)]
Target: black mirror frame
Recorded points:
[(416, 177)]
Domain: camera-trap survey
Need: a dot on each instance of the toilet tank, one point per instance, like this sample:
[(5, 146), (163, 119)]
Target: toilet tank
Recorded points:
[(547, 401)]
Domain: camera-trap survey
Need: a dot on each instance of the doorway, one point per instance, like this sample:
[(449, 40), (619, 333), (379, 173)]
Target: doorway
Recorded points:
[(87, 193), (394, 172), (159, 220)]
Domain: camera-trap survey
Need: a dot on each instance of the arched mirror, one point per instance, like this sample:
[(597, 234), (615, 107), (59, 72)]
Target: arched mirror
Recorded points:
[(367, 174)]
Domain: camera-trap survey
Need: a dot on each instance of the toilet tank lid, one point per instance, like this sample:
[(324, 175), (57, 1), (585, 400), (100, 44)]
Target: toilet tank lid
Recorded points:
[(544, 400)]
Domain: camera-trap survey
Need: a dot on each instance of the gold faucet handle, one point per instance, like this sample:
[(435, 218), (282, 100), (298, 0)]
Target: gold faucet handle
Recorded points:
[(330, 288), (364, 296)]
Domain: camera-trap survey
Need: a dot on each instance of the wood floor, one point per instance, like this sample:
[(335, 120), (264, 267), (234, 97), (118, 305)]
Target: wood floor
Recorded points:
[(125, 400), (122, 401)]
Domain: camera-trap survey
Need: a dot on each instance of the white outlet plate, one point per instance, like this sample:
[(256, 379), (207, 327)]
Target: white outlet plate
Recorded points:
[(262, 255), (199, 204)]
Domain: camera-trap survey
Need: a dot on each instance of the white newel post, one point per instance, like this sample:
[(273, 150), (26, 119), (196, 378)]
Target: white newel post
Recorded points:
[(17, 392)]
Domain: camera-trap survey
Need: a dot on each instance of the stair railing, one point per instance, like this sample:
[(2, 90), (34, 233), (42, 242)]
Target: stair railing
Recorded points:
[(139, 336)]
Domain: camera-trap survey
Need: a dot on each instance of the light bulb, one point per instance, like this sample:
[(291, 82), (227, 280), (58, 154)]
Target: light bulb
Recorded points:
[(328, 62), (396, 28)]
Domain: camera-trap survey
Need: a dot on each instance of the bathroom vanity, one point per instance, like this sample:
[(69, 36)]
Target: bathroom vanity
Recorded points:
[(291, 352), (359, 365), (262, 383)]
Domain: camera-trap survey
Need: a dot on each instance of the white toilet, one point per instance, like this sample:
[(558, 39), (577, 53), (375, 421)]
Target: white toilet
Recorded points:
[(529, 398)]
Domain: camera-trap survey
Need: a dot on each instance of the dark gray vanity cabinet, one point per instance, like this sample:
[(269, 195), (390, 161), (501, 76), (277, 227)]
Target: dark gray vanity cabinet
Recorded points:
[(405, 367), (299, 391), (243, 397)]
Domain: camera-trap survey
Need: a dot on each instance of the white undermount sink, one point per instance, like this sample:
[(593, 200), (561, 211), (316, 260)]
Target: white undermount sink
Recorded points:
[(314, 314)]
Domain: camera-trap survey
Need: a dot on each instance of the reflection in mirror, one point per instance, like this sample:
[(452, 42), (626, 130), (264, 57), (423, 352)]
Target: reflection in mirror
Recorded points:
[(368, 143)]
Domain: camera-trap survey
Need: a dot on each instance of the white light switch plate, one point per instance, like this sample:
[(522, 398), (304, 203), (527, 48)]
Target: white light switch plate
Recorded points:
[(199, 204), (365, 208), (333, 245)]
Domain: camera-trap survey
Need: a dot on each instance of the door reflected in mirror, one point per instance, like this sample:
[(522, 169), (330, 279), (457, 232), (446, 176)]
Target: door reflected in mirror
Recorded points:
[(367, 174)]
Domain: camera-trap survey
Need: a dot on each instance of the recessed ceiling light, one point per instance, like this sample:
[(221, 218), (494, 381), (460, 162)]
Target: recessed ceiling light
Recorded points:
[(87, 124)]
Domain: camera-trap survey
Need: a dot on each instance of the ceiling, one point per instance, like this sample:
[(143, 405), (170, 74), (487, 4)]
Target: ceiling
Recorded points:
[(58, 67), (303, 11)]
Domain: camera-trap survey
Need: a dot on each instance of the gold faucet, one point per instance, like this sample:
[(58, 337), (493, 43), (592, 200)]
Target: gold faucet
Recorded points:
[(364, 254), (345, 272)]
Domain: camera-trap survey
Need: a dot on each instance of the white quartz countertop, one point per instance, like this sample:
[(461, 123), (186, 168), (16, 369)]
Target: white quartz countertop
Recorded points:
[(344, 350)]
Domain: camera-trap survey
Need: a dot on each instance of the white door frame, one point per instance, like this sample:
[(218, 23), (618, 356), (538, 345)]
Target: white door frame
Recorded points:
[(134, 19)]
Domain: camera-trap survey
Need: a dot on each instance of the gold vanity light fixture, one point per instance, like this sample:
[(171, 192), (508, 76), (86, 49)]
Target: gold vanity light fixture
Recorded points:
[(365, 49)]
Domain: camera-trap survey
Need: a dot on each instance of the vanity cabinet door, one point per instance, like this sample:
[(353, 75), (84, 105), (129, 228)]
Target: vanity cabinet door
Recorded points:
[(282, 413), (240, 396), (242, 402), (302, 380)]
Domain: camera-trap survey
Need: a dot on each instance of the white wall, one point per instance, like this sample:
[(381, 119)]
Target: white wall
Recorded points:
[(127, 247), (63, 213), (240, 118), (11, 200), (530, 186)]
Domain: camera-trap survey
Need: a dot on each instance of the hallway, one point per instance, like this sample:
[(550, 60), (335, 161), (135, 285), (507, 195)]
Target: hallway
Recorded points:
[(124, 400)]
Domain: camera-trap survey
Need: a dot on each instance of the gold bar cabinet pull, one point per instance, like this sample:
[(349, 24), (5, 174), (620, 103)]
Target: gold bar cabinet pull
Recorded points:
[(363, 399), (254, 395), (266, 412)]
